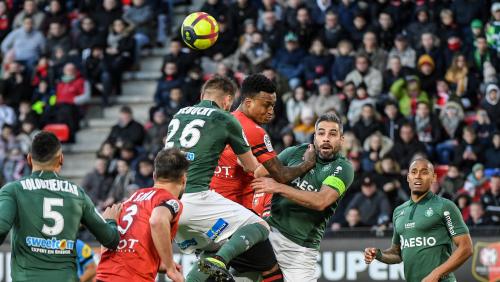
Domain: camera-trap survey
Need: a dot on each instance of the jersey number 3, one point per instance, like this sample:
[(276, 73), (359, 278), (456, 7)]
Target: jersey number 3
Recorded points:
[(128, 217), (190, 134)]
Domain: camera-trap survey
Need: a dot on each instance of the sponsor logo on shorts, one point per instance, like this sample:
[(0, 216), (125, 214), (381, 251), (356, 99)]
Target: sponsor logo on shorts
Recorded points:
[(50, 246), (219, 227), (417, 242), (187, 243)]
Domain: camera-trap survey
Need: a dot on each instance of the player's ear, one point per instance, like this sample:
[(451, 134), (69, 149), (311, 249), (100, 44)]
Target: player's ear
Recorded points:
[(154, 176), (61, 159), (30, 160)]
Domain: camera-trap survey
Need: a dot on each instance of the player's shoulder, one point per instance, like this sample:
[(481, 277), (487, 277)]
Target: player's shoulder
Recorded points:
[(344, 162), (441, 203), (399, 210), (11, 187)]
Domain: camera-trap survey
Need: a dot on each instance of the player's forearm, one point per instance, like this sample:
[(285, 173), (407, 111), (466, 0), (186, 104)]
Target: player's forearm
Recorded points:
[(311, 200), (457, 258), (90, 271), (389, 256), (160, 233), (285, 174)]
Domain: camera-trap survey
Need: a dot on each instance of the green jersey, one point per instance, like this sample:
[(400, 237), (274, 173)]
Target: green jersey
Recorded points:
[(424, 232), (301, 225), (203, 131), (45, 212)]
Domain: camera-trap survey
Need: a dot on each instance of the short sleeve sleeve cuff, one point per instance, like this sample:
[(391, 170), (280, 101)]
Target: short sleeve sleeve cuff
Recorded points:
[(335, 183)]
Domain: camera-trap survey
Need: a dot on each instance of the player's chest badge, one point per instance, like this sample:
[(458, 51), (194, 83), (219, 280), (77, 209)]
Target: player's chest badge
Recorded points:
[(429, 212)]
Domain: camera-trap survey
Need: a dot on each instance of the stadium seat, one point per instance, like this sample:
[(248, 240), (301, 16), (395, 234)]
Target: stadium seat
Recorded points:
[(61, 130), (441, 171)]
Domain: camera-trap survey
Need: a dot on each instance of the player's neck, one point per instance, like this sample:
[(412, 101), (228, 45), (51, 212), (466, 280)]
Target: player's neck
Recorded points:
[(215, 100), (47, 168), (173, 188), (418, 197), (244, 110)]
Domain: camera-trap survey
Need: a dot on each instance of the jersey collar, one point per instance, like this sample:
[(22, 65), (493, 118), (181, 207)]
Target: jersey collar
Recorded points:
[(208, 103), (44, 174), (321, 161), (427, 197)]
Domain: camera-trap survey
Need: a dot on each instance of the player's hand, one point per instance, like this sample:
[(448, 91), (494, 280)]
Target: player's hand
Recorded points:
[(112, 212), (370, 254), (310, 155), (175, 275), (265, 185)]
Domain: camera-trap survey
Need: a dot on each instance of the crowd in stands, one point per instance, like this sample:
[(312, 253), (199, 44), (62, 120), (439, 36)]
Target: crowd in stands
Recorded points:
[(408, 78)]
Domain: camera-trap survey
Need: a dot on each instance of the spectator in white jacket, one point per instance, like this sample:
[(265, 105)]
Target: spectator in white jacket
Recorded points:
[(364, 73)]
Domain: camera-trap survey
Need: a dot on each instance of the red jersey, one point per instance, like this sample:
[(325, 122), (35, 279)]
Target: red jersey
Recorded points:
[(230, 180), (136, 258), (262, 204)]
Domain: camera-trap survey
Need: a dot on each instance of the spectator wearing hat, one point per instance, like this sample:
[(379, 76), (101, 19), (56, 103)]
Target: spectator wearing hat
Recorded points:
[(491, 198), (325, 100), (408, 93), (423, 24), (385, 30), (332, 33), (476, 30), (491, 103), (493, 29), (403, 51), (469, 151), (406, 146), (478, 217), (317, 63), (427, 74), (127, 129), (476, 182), (288, 61), (394, 72), (372, 203), (370, 49), (343, 63), (365, 73), (492, 153)]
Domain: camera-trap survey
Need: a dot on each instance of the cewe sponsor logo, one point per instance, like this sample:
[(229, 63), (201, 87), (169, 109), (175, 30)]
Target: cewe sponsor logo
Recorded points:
[(417, 242)]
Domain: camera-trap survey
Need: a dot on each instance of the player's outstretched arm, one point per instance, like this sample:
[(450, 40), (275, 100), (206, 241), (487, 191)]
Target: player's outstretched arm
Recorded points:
[(389, 256), (159, 223), (457, 258), (285, 174), (104, 230), (8, 206), (313, 200)]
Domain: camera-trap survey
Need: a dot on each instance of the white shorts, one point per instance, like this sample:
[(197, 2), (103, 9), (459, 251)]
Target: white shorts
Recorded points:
[(208, 220), (297, 263)]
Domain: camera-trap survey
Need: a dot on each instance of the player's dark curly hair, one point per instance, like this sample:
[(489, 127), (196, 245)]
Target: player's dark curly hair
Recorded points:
[(254, 84), (170, 165), (330, 117), (44, 147)]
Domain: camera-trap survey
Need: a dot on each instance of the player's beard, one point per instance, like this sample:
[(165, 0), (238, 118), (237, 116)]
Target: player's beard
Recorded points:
[(418, 193), (329, 156)]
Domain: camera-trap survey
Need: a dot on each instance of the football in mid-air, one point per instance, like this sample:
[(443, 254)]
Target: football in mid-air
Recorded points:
[(199, 30)]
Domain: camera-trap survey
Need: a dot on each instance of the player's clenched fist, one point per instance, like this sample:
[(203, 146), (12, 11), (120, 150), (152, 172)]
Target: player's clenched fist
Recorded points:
[(112, 212), (370, 254), (310, 155)]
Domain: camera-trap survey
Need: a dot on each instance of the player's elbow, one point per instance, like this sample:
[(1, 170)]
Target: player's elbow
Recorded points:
[(320, 205), (468, 251)]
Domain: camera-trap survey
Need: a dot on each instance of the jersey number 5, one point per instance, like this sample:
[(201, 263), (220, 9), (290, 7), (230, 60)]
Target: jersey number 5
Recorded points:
[(190, 134), (48, 213), (128, 217)]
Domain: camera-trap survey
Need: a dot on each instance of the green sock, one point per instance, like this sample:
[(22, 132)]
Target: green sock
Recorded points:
[(242, 240), (195, 275)]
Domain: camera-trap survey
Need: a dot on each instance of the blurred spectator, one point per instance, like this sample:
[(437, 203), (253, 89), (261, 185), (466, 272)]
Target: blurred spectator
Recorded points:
[(57, 37), (295, 104), (462, 82), (352, 148), (107, 14), (370, 76), (394, 72), (304, 128), (408, 93), (427, 74), (5, 25), (325, 100), (169, 81), (356, 105), (332, 32), (109, 152), (367, 124), (403, 51), (463, 202), (88, 36), (227, 42), (375, 147), (476, 182), (97, 182), (482, 54), (393, 120), (157, 132), (305, 29), (183, 60), (55, 14), (215, 8), (359, 27), (175, 102), (392, 182), (97, 74), (483, 127), (119, 54), (490, 103), (239, 11), (492, 153), (127, 129), (140, 17), (25, 136), (25, 44), (17, 86), (7, 142), (317, 64), (422, 25), (120, 187), (465, 11), (191, 87), (406, 147), (143, 177), (30, 10), (447, 27), (427, 127), (478, 217), (453, 180), (272, 30), (469, 151), (370, 49), (385, 30), (491, 199), (353, 219), (343, 63), (430, 46), (451, 117), (288, 61), (257, 54), (15, 165), (493, 28), (372, 203), (7, 114)]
